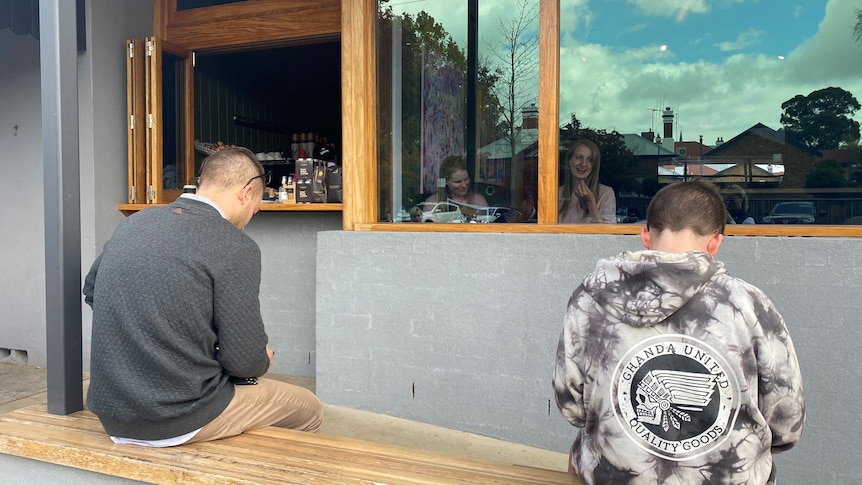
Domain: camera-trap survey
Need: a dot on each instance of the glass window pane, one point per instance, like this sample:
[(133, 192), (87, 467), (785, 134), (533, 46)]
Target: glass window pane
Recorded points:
[(452, 113), (174, 122), (755, 96)]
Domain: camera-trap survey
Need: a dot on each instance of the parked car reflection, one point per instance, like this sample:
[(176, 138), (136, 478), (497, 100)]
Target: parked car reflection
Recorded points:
[(628, 215), (792, 213)]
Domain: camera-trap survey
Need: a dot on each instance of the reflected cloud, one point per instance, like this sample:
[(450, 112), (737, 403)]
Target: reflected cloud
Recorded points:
[(745, 39), (668, 8), (714, 96)]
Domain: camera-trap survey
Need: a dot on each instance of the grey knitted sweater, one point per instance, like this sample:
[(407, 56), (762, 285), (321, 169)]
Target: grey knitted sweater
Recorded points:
[(175, 313)]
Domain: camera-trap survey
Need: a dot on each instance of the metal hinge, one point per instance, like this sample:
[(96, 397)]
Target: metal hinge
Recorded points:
[(150, 120), (133, 194), (131, 50), (151, 47), (132, 122), (151, 193)]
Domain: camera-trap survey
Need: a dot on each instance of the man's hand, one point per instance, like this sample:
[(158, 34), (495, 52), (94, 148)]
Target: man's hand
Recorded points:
[(270, 353)]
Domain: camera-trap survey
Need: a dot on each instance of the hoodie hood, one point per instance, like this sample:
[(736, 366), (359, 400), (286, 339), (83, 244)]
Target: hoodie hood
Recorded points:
[(644, 288)]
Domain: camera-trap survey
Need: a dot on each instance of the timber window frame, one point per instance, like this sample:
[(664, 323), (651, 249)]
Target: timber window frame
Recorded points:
[(360, 150)]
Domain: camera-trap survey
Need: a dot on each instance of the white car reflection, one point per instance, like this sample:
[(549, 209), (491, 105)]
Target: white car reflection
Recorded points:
[(437, 212), (453, 212)]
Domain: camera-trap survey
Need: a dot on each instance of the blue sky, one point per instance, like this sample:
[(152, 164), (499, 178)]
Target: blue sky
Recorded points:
[(720, 72), (771, 27)]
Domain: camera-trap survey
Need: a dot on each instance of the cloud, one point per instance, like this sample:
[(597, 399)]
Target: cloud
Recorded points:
[(745, 39), (615, 88), (671, 8), (619, 89)]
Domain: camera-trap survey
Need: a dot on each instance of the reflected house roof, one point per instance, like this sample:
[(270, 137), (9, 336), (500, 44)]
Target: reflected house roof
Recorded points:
[(691, 150), (765, 133), (739, 174), (525, 138), (761, 154), (843, 156), (642, 147), (693, 170)]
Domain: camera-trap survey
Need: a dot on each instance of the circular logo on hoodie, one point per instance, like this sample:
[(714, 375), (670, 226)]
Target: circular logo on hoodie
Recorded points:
[(675, 396)]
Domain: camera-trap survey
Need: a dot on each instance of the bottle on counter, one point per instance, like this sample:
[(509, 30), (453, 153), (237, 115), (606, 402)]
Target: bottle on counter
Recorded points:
[(294, 146), (291, 189), (309, 144), (282, 190), (301, 152)]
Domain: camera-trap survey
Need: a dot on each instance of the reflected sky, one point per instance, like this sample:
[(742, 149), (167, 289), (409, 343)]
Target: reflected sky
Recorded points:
[(721, 70)]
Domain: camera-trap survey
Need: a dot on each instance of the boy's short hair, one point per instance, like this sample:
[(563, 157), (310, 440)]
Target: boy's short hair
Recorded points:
[(694, 204)]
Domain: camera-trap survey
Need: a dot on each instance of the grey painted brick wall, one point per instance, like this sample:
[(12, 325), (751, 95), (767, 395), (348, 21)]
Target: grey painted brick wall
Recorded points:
[(460, 330), (288, 242)]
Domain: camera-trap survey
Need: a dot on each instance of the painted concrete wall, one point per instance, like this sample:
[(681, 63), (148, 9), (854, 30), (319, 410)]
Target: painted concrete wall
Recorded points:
[(102, 139), (22, 258), (460, 330), (288, 245)]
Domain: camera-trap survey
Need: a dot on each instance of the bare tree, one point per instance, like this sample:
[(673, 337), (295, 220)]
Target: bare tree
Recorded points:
[(857, 28), (514, 60)]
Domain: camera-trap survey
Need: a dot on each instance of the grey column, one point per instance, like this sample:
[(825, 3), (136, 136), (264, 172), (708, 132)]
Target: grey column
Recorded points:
[(57, 25)]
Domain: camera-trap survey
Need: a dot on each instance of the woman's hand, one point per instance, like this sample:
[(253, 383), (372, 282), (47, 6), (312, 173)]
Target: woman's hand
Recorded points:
[(588, 199), (584, 193)]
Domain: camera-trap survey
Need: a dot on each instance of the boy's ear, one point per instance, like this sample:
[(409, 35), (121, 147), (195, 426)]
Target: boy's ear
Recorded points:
[(713, 243), (646, 237)]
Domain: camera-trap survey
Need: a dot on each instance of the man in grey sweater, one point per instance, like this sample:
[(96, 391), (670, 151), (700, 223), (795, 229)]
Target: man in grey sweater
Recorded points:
[(176, 319)]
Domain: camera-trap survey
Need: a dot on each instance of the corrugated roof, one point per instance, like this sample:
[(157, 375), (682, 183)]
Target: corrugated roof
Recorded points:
[(641, 147)]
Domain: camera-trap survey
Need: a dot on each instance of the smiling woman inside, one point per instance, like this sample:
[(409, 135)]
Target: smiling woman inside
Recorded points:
[(582, 198)]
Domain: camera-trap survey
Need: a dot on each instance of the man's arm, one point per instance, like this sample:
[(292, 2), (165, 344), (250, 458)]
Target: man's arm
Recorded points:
[(781, 398), (236, 314), (90, 282), (569, 377)]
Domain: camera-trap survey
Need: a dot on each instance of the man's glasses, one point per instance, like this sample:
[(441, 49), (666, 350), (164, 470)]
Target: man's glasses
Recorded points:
[(266, 177)]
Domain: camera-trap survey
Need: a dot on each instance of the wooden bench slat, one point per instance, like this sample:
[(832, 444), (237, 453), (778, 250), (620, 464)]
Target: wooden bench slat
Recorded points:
[(367, 463), (268, 455)]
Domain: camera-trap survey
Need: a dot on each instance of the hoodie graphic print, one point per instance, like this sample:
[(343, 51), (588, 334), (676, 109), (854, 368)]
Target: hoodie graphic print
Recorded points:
[(676, 373)]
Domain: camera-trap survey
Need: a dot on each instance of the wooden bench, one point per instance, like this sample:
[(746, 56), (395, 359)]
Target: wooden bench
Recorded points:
[(268, 455)]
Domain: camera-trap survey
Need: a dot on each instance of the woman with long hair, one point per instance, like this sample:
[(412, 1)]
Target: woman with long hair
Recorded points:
[(458, 188), (736, 201), (582, 199)]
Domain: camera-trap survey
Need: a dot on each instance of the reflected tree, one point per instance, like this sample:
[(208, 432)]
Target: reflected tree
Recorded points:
[(512, 68), (857, 27), (418, 34), (821, 120), (827, 174)]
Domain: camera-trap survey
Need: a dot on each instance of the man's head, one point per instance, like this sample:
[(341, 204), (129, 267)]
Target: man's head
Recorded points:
[(685, 216), (234, 180)]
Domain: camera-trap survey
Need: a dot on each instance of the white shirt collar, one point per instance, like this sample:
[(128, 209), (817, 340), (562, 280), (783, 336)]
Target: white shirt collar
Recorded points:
[(203, 199)]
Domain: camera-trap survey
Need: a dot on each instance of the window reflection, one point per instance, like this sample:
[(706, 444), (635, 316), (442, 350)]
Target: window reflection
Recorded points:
[(754, 96), (442, 97), (173, 120)]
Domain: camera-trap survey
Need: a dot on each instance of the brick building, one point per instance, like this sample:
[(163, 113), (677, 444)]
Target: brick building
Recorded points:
[(761, 145)]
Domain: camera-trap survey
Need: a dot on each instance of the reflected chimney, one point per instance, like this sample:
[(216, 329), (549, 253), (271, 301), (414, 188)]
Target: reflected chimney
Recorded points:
[(530, 117), (667, 119)]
